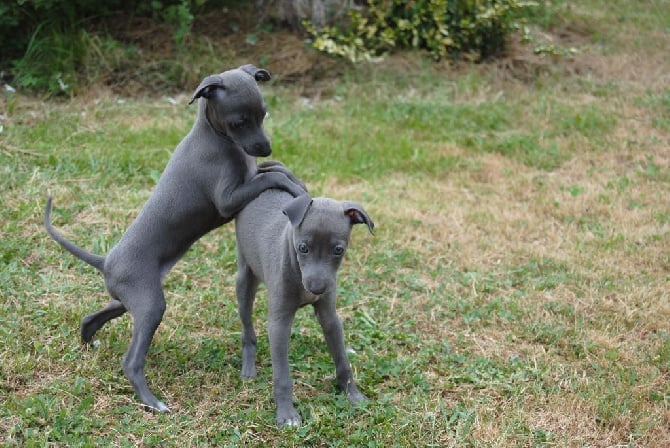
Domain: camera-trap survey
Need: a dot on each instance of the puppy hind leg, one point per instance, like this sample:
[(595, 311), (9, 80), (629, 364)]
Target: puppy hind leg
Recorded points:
[(93, 322), (246, 287), (147, 310)]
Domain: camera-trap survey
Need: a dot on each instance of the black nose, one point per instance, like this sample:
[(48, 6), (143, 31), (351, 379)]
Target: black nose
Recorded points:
[(316, 287), (261, 149)]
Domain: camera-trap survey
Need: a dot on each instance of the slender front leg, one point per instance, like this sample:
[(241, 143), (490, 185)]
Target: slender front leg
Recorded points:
[(233, 201), (279, 333), (334, 335), (273, 165)]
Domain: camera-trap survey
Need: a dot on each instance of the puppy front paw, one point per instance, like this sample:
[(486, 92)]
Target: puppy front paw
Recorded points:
[(348, 386), (355, 396), (288, 417), (248, 372)]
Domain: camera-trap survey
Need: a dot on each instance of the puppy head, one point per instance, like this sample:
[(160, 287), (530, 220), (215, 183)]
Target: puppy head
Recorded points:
[(321, 233), (233, 106)]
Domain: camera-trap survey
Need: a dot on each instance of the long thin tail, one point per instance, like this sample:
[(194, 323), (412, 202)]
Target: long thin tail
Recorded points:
[(94, 260)]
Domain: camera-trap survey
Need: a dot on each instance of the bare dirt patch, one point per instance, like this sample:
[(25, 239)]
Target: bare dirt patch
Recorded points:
[(234, 36)]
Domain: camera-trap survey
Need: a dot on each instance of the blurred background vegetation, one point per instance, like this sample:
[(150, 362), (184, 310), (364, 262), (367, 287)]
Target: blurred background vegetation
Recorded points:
[(60, 47)]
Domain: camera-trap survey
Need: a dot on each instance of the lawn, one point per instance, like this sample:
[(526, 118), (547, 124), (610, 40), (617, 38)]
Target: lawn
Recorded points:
[(516, 291)]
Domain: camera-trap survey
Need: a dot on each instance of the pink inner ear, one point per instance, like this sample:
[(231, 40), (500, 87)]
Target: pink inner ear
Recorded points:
[(352, 214)]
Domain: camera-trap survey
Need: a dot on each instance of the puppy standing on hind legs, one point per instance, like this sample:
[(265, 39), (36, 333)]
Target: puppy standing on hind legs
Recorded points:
[(295, 246), (210, 177)]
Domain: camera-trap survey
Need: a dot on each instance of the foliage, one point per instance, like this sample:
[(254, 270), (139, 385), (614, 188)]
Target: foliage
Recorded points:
[(441, 27), (46, 42)]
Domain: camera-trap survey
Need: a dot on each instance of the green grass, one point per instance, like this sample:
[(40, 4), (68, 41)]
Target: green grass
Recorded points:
[(515, 292)]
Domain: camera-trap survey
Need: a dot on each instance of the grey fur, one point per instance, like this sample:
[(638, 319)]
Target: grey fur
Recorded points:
[(211, 176), (295, 246)]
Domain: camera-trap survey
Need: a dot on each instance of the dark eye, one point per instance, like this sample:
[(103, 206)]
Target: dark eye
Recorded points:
[(338, 250), (238, 124), (302, 248)]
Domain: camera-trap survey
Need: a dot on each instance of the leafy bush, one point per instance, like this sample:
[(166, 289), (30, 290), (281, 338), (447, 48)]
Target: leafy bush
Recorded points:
[(442, 27), (45, 42)]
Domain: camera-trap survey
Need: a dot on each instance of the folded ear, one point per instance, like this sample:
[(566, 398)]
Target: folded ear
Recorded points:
[(207, 86), (358, 215), (296, 209), (259, 74)]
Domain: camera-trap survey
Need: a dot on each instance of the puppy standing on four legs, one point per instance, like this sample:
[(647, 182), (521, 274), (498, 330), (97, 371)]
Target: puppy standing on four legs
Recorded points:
[(210, 177), (295, 246)]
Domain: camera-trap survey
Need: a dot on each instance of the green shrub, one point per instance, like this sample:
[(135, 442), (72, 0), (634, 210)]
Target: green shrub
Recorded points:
[(441, 27), (46, 42)]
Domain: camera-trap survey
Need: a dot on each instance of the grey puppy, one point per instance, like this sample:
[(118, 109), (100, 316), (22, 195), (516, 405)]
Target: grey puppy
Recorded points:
[(295, 246), (210, 177)]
